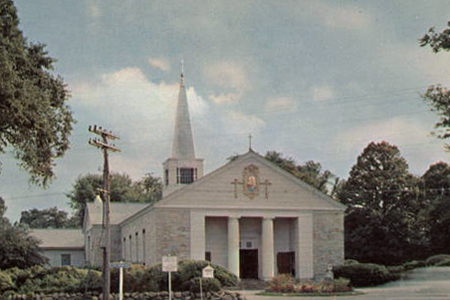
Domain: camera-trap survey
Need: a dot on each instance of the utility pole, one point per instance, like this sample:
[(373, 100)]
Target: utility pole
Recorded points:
[(106, 245)]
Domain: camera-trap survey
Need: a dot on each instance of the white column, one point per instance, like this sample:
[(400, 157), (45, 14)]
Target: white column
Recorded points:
[(268, 260), (304, 250), (197, 236), (233, 245)]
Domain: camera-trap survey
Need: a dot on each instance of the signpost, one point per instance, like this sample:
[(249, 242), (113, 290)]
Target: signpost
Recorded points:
[(120, 265), (207, 272), (170, 264)]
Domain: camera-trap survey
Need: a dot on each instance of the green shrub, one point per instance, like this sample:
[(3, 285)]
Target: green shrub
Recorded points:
[(361, 275), (396, 269), (6, 282), (208, 285), (153, 279), (443, 263), (436, 259), (414, 265), (351, 262), (189, 269)]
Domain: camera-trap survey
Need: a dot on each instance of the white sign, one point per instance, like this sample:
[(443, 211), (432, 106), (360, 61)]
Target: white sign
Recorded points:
[(120, 264), (169, 264), (208, 272)]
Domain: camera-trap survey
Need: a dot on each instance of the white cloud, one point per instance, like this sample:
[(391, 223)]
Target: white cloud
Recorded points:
[(94, 9), (412, 60), (228, 74), (226, 98), (412, 138), (322, 93), (280, 104), (338, 16), (238, 123), (160, 63)]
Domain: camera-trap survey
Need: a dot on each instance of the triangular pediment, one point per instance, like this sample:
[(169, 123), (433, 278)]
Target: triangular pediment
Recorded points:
[(250, 181)]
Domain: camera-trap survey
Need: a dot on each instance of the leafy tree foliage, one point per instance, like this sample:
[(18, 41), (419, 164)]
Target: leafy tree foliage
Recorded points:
[(17, 247), (38, 121), (47, 218), (437, 96), (436, 183), (381, 224), (123, 189), (311, 172)]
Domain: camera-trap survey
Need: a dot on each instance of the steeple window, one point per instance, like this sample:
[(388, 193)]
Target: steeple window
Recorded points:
[(186, 175)]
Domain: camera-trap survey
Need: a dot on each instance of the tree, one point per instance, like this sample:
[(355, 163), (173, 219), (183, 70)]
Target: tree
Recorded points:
[(311, 172), (436, 193), (38, 121), (123, 189), (47, 218), (17, 247), (381, 221), (437, 96)]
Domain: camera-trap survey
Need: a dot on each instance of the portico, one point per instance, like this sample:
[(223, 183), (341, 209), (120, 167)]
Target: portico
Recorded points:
[(250, 243)]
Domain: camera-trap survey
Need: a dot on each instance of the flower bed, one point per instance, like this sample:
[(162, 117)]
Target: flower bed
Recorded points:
[(286, 284)]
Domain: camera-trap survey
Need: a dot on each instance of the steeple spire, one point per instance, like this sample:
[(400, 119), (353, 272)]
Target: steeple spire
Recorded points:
[(183, 141), (182, 167)]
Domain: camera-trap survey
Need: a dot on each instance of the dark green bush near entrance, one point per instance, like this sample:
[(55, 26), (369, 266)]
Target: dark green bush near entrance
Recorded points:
[(153, 279), (208, 285), (361, 275)]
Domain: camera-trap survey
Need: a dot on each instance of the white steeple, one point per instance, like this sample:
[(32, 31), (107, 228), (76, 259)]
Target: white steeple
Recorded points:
[(182, 167), (183, 141)]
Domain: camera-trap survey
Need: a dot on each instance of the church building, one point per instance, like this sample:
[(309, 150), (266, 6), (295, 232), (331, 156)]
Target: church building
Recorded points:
[(249, 216)]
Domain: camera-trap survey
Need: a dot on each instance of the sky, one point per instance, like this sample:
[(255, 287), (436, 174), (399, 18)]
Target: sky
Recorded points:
[(314, 80)]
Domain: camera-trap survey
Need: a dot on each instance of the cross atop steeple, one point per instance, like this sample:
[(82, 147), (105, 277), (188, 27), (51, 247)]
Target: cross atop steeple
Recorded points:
[(250, 142)]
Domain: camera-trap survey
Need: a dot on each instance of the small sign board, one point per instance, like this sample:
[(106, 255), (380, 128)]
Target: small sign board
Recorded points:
[(208, 272), (120, 264), (169, 264)]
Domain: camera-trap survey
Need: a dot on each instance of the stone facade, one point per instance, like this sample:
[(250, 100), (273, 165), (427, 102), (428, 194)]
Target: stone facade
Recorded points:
[(328, 240)]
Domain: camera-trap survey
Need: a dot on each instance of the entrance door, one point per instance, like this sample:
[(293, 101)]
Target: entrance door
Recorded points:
[(286, 263), (249, 263)]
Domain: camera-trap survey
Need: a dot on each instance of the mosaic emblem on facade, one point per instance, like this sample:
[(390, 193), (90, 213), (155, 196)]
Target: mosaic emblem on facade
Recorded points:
[(251, 181)]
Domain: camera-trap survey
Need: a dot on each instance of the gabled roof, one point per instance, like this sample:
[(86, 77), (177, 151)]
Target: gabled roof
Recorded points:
[(216, 189), (59, 238), (118, 211)]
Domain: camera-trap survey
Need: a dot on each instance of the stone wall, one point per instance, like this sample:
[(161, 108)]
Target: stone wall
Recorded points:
[(221, 295), (173, 227), (328, 240)]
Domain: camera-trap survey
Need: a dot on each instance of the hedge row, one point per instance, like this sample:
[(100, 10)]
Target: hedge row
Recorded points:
[(366, 274), (136, 279)]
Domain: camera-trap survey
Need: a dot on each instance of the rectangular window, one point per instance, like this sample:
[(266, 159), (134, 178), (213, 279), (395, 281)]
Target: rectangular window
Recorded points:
[(143, 247), (208, 256), (186, 175), (166, 177), (65, 260), (137, 247)]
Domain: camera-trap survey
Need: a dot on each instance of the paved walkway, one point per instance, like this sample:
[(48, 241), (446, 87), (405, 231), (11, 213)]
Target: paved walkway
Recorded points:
[(421, 284)]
